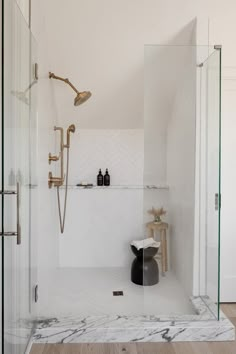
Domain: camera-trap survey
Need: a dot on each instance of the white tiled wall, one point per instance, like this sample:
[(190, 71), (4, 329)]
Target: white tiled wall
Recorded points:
[(99, 227), (101, 223), (121, 151)]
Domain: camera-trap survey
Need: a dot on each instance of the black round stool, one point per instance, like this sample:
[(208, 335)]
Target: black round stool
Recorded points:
[(144, 270)]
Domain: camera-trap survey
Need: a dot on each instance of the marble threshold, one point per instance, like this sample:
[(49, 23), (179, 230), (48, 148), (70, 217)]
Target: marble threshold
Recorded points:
[(101, 329)]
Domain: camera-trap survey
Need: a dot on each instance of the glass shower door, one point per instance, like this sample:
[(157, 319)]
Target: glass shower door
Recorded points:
[(208, 175), (16, 241), (211, 88)]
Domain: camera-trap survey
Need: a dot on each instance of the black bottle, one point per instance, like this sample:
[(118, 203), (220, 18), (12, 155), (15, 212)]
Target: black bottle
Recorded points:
[(100, 178), (106, 178)]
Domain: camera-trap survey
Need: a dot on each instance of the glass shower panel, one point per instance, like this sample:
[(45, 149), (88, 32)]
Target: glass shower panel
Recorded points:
[(17, 115), (174, 157), (169, 125), (33, 172), (211, 87)]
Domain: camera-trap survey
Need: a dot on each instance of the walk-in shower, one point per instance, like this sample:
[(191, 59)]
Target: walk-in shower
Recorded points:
[(181, 129)]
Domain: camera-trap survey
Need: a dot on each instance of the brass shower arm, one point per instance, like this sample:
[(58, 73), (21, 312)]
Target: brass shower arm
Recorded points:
[(67, 81), (81, 97)]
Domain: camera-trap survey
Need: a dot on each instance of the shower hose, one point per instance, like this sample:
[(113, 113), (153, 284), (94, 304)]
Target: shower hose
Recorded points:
[(62, 220)]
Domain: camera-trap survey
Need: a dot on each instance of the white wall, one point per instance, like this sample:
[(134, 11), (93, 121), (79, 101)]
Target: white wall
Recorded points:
[(101, 223), (223, 29), (119, 150), (24, 7), (228, 240), (99, 227), (99, 46)]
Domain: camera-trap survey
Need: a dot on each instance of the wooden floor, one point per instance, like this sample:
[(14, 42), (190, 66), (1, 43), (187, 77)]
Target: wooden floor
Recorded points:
[(145, 348)]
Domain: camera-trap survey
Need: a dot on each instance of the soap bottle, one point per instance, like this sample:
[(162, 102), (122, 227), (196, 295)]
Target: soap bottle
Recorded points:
[(106, 178), (100, 178)]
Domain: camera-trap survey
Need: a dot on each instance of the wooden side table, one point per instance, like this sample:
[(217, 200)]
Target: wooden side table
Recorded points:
[(162, 227)]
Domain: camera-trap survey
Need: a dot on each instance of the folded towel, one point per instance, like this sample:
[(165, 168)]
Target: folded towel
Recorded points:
[(147, 242)]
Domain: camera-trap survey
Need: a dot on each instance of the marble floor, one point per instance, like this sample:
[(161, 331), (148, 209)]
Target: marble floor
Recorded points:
[(89, 291)]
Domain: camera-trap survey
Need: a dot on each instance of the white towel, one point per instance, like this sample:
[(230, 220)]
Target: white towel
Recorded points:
[(147, 242)]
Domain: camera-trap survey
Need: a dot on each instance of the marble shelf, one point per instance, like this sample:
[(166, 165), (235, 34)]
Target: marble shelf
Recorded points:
[(146, 187)]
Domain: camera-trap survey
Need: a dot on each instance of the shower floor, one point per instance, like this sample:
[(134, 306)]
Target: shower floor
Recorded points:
[(89, 291)]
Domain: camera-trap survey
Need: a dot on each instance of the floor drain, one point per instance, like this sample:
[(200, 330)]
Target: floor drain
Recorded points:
[(118, 293)]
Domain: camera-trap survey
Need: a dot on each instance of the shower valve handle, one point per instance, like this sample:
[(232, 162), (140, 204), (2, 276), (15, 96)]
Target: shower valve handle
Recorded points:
[(52, 158)]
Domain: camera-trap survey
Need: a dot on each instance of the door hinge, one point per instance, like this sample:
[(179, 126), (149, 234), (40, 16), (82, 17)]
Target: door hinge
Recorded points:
[(217, 201), (36, 71), (36, 293)]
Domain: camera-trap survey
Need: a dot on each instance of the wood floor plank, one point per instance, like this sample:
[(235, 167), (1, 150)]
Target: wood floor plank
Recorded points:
[(37, 348), (139, 348), (155, 348), (229, 309), (189, 348), (107, 348)]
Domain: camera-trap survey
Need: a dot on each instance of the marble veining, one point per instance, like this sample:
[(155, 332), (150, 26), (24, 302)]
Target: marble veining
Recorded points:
[(78, 329)]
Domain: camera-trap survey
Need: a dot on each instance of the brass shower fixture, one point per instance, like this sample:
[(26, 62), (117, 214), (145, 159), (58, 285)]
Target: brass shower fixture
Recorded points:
[(81, 97), (58, 181)]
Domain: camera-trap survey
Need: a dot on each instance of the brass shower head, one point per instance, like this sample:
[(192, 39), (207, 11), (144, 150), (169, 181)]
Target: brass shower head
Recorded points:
[(81, 97)]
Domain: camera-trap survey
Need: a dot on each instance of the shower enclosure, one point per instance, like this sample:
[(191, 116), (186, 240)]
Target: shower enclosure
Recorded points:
[(175, 158)]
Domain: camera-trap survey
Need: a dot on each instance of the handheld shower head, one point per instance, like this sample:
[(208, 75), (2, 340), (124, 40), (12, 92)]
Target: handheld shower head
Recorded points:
[(70, 129)]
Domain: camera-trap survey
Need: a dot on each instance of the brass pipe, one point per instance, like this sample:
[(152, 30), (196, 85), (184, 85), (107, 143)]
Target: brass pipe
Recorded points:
[(52, 158), (67, 81), (58, 181)]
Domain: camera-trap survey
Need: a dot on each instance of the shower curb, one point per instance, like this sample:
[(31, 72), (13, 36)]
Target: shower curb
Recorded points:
[(110, 329)]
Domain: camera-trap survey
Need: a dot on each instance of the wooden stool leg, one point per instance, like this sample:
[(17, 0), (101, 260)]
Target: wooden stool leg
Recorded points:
[(163, 262), (166, 260)]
